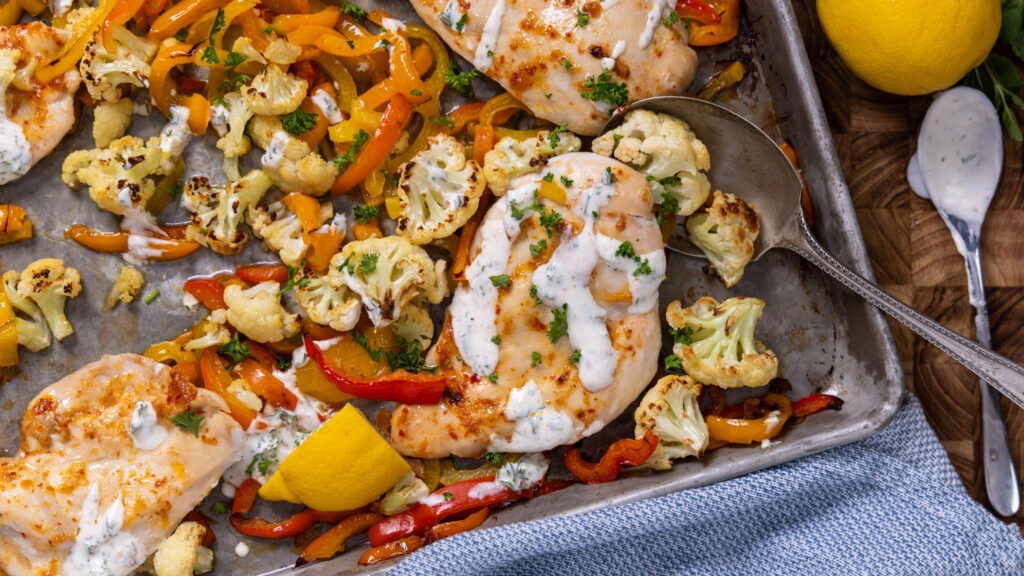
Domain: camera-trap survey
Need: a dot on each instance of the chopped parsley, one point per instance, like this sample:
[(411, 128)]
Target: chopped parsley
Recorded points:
[(349, 9), (547, 95), (152, 296), (575, 356), (188, 421), (361, 339), (210, 53), (295, 278), (625, 250), (604, 89), (549, 177), (282, 364), (553, 138), (672, 18), (559, 326), (445, 121), (682, 335), (448, 495), (233, 59), (391, 180), (461, 23), (299, 122), (669, 204), (565, 62), (501, 280), (235, 350), (494, 457), (268, 30), (493, 378), (176, 188), (538, 248), (366, 213), (533, 294), (496, 339), (551, 220), (368, 263), (220, 508), (565, 181), (342, 161), (673, 364), (608, 177), (582, 18), (416, 92), (181, 35), (461, 81), (409, 357), (643, 269), (535, 359)]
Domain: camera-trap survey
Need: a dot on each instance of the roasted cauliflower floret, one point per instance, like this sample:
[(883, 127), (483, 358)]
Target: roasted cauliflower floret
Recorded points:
[(387, 273), (211, 331), (664, 149), (103, 73), (511, 157), (328, 301), (715, 342), (275, 92), (110, 121), (235, 113), (289, 161), (281, 231), (182, 553), (119, 176), (217, 211), (404, 495), (33, 332), (257, 312), (126, 288), (415, 325), (49, 284), (438, 190), (725, 232), (671, 410)]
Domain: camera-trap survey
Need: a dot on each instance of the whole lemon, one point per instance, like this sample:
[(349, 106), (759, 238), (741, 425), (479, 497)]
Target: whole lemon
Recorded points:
[(911, 47)]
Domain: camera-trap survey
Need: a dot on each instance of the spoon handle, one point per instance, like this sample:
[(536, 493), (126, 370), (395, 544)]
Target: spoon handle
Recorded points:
[(1004, 375)]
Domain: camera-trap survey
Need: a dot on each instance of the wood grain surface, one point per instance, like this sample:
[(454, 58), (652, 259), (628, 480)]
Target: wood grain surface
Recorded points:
[(913, 255)]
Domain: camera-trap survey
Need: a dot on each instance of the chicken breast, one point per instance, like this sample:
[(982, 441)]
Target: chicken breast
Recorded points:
[(34, 116), (539, 51), (556, 331), (103, 475)]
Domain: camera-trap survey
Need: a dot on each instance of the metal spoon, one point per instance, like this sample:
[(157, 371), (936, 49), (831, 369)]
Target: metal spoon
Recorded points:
[(957, 165), (745, 159)]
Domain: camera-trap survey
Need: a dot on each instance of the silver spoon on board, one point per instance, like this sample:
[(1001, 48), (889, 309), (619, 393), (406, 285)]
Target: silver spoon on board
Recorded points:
[(745, 159), (957, 165)]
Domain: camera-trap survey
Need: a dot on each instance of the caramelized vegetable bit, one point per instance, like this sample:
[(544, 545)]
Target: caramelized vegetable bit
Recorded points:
[(14, 224)]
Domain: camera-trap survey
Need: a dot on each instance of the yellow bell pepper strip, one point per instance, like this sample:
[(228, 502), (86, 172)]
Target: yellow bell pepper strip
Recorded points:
[(123, 12), (180, 16), (33, 7), (160, 82), (253, 27), (199, 32), (8, 331), (10, 13), (340, 46), (308, 35), (395, 549), (375, 152), (718, 33), (198, 113), (725, 79), (216, 379), (170, 351), (287, 6), (498, 110), (14, 225), (81, 35), (552, 192), (747, 431), (285, 23)]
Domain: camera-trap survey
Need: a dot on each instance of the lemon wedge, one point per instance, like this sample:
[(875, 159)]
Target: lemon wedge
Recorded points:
[(345, 464)]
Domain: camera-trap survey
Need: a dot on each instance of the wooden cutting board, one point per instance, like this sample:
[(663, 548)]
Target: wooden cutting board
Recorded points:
[(913, 255)]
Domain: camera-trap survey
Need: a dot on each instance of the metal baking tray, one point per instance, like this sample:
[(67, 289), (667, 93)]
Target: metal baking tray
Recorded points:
[(827, 339)]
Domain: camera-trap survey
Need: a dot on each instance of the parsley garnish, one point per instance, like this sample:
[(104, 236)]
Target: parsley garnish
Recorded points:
[(461, 23), (416, 92), (233, 59), (448, 495), (547, 95), (152, 296), (496, 339), (368, 263), (671, 19), (626, 250), (268, 29), (366, 213), (282, 364), (176, 188), (295, 278), (533, 294), (391, 180), (342, 161), (673, 365), (566, 63), (682, 335), (210, 53), (553, 135), (575, 356), (181, 35), (535, 359), (409, 357), (461, 81), (445, 121), (604, 89), (346, 265), (235, 350), (608, 177), (299, 122), (669, 203), (501, 280), (350, 9), (494, 457), (551, 220), (188, 421), (220, 508), (493, 378), (264, 466), (361, 339), (559, 326), (538, 248), (643, 269), (582, 18), (565, 181)]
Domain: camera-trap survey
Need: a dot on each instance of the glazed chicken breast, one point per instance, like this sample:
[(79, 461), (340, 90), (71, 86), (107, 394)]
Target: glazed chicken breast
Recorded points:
[(34, 115), (556, 331), (103, 475), (539, 51)]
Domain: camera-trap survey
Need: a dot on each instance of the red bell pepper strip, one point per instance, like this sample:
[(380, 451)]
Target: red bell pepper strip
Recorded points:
[(208, 291), (333, 541), (260, 354), (697, 10), (626, 451), (374, 152), (816, 403), (401, 386), (391, 550), (293, 526), (245, 496)]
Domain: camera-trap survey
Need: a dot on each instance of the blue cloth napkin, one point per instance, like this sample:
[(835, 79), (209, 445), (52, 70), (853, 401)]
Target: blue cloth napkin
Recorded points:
[(889, 504)]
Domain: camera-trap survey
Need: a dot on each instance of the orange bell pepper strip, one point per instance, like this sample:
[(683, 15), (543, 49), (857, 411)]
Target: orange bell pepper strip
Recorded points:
[(75, 48), (285, 23), (375, 152), (308, 35), (8, 331), (14, 224), (322, 247), (180, 16), (259, 273), (160, 82), (805, 199), (463, 115), (316, 134), (153, 8), (626, 451), (169, 248), (333, 541), (123, 12), (720, 32), (816, 403), (308, 53), (454, 527), (340, 46), (287, 6), (216, 379), (187, 370), (468, 232), (306, 209), (399, 547), (252, 27), (483, 142), (198, 113), (728, 428), (371, 229), (404, 74), (266, 384)]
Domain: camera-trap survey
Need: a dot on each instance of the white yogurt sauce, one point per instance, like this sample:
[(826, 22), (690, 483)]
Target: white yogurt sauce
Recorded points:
[(275, 150), (219, 118), (959, 154), (145, 237), (659, 10), (15, 152), (145, 430), (538, 427), (327, 104), (642, 287), (484, 55), (101, 547), (620, 48), (175, 134), (241, 549), (392, 25), (263, 450), (523, 474)]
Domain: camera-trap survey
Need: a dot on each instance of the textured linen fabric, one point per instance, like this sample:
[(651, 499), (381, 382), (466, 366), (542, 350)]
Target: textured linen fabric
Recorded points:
[(889, 504)]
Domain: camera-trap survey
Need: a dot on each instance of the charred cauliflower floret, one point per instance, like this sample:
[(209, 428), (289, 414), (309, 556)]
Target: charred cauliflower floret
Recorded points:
[(182, 553), (126, 288), (438, 190), (281, 230), (119, 176), (282, 52), (716, 342), (415, 325), (33, 332), (235, 114), (328, 301), (404, 495), (49, 284), (725, 232), (511, 157), (289, 161), (275, 92), (217, 211), (211, 331), (671, 410), (257, 312), (104, 74), (665, 150), (110, 121), (387, 273)]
